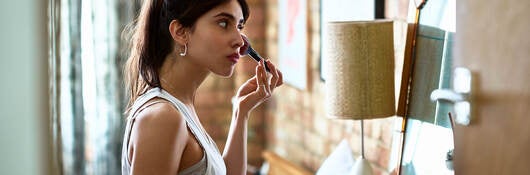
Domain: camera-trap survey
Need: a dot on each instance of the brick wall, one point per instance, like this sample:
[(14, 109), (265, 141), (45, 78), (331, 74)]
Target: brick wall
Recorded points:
[(293, 122)]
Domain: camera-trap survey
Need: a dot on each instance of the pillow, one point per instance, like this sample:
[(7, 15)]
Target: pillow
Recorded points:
[(340, 161)]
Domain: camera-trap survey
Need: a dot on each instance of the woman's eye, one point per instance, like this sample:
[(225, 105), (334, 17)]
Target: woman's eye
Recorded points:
[(223, 24)]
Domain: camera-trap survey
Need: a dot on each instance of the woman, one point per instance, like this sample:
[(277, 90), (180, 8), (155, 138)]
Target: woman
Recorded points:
[(175, 45)]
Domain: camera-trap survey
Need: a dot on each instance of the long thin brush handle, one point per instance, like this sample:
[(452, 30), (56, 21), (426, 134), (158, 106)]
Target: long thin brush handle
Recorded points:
[(257, 57)]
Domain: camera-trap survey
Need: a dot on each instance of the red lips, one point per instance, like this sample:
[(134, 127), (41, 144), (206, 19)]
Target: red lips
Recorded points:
[(234, 57)]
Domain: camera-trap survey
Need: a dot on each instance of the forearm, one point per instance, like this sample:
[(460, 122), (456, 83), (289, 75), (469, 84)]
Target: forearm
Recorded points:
[(235, 151)]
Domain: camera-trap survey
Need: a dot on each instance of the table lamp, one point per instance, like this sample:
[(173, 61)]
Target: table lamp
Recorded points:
[(360, 75)]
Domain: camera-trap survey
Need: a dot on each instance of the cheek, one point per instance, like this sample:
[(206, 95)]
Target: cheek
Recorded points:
[(207, 46), (206, 50), (211, 45)]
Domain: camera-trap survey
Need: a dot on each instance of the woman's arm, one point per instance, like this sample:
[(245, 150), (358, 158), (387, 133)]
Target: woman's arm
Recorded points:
[(235, 151), (251, 94), (158, 139)]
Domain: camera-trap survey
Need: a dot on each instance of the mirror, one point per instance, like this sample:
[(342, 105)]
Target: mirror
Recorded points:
[(428, 137)]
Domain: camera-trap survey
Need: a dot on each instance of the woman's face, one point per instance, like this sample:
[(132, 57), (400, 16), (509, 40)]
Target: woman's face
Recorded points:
[(215, 42)]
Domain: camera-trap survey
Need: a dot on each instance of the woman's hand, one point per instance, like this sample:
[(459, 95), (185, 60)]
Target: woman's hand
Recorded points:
[(251, 94), (259, 88)]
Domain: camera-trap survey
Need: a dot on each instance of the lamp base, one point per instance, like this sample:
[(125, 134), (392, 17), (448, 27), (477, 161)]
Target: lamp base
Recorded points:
[(361, 167)]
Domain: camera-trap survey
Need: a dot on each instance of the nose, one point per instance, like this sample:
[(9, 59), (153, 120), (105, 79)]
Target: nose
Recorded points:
[(243, 50), (239, 42)]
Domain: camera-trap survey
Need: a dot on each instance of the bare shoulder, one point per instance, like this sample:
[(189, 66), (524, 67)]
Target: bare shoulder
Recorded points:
[(158, 139), (161, 114), (161, 119)]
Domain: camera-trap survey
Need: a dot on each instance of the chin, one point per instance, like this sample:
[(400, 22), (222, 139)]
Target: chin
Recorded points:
[(225, 73)]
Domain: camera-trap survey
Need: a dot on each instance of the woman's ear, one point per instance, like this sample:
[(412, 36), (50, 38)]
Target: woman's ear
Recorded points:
[(178, 32)]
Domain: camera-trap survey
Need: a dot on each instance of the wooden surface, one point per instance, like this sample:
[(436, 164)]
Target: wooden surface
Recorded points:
[(281, 166), (498, 139)]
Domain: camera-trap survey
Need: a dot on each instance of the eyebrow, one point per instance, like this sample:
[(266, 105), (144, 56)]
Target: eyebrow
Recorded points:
[(228, 15)]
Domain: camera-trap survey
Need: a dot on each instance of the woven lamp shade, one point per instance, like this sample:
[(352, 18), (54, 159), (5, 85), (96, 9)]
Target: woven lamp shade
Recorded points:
[(360, 64)]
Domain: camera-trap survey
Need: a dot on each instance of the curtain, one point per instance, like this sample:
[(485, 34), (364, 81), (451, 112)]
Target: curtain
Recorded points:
[(86, 56)]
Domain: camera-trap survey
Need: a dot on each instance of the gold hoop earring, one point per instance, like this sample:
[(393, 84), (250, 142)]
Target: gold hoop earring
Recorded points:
[(185, 50)]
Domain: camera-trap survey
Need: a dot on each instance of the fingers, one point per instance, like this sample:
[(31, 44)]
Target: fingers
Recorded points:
[(259, 88), (259, 80), (280, 79), (260, 74), (266, 77), (266, 82), (262, 81), (248, 87), (277, 78)]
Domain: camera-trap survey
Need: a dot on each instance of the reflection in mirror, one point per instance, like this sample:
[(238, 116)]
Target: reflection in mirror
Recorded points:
[(428, 142)]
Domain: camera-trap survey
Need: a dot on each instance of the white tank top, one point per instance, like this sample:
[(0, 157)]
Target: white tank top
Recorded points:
[(211, 164)]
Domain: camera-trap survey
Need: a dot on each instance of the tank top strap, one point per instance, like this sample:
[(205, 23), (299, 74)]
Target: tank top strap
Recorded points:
[(150, 94)]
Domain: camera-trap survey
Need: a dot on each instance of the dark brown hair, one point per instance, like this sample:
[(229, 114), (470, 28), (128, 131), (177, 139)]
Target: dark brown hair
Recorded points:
[(151, 41)]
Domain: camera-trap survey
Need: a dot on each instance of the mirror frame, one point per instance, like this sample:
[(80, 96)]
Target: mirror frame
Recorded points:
[(407, 75), (406, 79)]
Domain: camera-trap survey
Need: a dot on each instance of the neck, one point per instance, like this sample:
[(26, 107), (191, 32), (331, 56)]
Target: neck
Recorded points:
[(181, 78)]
